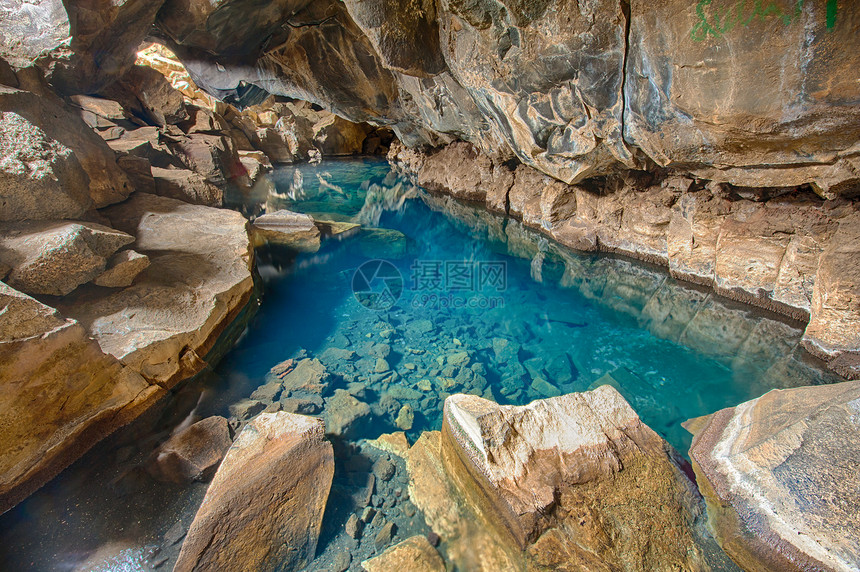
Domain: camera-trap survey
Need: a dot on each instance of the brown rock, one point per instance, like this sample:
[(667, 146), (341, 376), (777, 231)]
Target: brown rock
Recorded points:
[(307, 376), (295, 230), (334, 136), (107, 182), (40, 177), (122, 268), (344, 413), (145, 92), (188, 186), (778, 476), (212, 156), (192, 454), (80, 46), (55, 257), (61, 394), (555, 480), (834, 327), (414, 554), (274, 145), (286, 456)]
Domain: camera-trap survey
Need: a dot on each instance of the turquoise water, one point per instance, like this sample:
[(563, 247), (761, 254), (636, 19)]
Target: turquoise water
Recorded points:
[(449, 299), (486, 306)]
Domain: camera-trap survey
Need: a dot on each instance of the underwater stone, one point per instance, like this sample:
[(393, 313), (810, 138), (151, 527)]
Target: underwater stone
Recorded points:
[(343, 413), (353, 526), (545, 388), (268, 392), (192, 454), (381, 366), (246, 409), (405, 418), (383, 469), (385, 535), (414, 554)]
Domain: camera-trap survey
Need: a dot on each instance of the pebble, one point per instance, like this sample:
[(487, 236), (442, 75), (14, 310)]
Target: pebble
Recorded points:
[(383, 469), (354, 526), (378, 520), (409, 509), (341, 561), (367, 514), (381, 366), (384, 536), (433, 539)]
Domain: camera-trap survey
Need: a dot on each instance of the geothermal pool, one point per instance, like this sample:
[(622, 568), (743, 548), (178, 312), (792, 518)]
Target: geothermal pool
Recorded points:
[(426, 298)]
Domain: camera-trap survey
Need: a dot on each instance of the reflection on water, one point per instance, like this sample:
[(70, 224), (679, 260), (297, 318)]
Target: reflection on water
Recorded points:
[(484, 306)]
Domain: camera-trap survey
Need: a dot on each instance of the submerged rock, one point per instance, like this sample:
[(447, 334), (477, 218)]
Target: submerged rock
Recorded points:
[(192, 454), (265, 505), (779, 477), (414, 554), (344, 413)]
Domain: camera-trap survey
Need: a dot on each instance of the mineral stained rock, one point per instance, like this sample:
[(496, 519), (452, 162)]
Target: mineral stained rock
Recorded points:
[(778, 474), (264, 508), (55, 257), (572, 481)]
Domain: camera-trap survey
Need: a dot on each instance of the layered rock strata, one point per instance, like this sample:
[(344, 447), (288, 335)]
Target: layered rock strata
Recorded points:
[(778, 476), (61, 394), (781, 250)]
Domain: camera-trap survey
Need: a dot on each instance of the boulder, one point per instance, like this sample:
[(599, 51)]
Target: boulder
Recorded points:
[(193, 453), (273, 143), (198, 282), (286, 456), (146, 93), (575, 481), (334, 136), (122, 268), (778, 474), (55, 257), (188, 186), (108, 183), (212, 156), (344, 413), (308, 376), (61, 394), (414, 554), (256, 163), (284, 227), (39, 176)]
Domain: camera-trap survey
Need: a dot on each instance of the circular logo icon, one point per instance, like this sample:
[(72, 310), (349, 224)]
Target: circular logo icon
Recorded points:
[(377, 284)]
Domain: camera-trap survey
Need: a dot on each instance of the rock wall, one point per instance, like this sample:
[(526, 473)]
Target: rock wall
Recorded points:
[(760, 97), (790, 252)]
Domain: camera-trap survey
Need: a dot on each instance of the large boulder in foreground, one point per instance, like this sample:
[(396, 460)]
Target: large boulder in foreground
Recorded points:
[(779, 474), (61, 394), (571, 482), (198, 281), (264, 508)]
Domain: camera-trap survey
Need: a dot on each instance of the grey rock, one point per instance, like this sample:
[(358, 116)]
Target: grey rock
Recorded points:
[(354, 526), (383, 469), (385, 535)]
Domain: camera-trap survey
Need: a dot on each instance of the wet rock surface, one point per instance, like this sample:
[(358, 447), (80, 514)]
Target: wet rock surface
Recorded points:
[(286, 456), (776, 474)]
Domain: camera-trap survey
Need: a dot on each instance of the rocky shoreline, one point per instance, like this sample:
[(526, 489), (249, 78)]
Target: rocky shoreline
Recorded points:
[(785, 250)]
